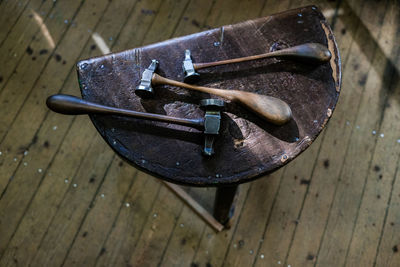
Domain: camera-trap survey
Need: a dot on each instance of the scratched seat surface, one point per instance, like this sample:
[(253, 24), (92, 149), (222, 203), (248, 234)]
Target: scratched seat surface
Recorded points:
[(247, 147)]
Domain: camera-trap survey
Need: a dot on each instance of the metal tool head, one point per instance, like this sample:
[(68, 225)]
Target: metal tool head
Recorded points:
[(212, 122), (191, 76), (144, 89)]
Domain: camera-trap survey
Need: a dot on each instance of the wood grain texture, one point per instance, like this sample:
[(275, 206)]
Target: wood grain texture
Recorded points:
[(322, 209), (315, 211), (10, 12), (310, 90), (354, 171), (50, 152), (25, 137)]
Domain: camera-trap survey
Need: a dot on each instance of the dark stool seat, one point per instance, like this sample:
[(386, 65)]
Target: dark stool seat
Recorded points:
[(248, 147)]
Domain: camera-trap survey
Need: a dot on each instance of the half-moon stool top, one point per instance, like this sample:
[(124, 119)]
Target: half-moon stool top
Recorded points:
[(248, 146)]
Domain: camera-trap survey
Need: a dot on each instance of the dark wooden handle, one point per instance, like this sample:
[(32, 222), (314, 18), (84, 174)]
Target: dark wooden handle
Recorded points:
[(72, 105), (313, 52)]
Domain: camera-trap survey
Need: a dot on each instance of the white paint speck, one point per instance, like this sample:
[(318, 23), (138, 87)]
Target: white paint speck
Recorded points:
[(66, 181), (39, 170), (177, 163), (357, 127), (110, 38), (26, 152), (25, 164), (143, 161), (127, 205), (251, 252), (381, 135), (279, 262), (347, 123), (1, 153), (262, 256), (155, 215), (398, 141), (181, 225), (102, 195), (15, 159), (66, 21), (75, 185), (374, 132), (114, 142), (54, 127), (235, 245)]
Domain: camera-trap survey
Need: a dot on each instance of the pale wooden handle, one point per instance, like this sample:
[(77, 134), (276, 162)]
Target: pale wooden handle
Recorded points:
[(270, 108)]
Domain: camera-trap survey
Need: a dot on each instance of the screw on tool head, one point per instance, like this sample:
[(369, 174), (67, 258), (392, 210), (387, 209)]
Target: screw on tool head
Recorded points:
[(145, 90), (191, 76), (212, 122)]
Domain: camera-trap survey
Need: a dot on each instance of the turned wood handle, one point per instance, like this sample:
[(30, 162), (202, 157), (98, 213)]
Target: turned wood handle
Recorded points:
[(72, 105), (313, 52), (270, 108)]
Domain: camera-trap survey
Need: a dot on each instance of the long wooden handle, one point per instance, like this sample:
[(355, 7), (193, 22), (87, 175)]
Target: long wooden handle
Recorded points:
[(270, 108), (72, 105), (157, 79), (310, 51)]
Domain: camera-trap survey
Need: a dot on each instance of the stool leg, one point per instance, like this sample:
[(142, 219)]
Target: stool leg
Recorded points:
[(223, 208), (196, 207)]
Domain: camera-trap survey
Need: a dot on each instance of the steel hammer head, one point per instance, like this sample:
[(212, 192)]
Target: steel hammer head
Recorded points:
[(191, 76), (212, 122), (144, 89)]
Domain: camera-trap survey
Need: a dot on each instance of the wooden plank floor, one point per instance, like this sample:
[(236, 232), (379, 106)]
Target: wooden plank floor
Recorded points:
[(67, 199)]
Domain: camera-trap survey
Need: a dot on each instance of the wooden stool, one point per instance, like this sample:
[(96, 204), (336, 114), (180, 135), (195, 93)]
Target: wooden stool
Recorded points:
[(248, 147)]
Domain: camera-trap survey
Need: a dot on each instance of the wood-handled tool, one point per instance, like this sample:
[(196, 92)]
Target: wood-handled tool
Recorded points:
[(210, 124), (313, 52), (270, 108)]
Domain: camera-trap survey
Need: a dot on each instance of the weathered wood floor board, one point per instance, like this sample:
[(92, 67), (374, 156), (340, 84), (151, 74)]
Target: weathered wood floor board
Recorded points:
[(321, 193), (7, 18), (67, 200)]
